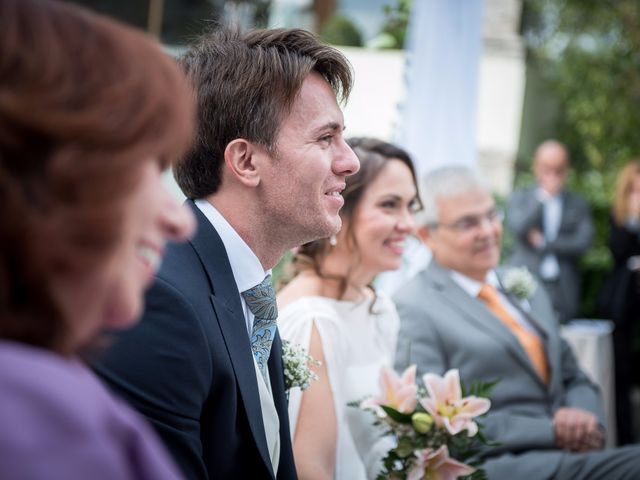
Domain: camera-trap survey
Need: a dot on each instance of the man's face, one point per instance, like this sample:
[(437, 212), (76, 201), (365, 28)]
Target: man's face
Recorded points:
[(301, 185), (152, 217), (551, 167), (467, 236)]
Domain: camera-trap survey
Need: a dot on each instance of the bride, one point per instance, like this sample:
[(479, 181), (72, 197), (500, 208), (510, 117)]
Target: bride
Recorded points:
[(331, 309)]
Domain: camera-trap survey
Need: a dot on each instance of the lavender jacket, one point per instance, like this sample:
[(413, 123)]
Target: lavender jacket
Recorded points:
[(57, 421)]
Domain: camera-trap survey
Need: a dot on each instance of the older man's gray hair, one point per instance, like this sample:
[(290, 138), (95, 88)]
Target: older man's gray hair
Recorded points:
[(445, 182)]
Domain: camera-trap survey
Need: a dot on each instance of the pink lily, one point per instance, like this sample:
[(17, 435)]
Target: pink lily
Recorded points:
[(397, 392), (447, 406), (437, 465)]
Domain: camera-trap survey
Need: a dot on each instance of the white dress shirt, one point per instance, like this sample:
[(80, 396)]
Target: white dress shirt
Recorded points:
[(551, 219)]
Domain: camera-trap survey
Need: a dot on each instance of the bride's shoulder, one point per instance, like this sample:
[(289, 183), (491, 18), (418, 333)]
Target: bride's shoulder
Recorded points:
[(300, 286), (309, 307), (304, 291)]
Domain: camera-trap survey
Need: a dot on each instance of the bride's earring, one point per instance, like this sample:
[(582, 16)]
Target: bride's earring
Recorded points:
[(333, 241)]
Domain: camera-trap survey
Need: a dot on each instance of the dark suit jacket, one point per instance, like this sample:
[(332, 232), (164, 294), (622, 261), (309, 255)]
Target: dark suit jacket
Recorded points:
[(188, 367), (443, 327), (619, 298), (575, 234)]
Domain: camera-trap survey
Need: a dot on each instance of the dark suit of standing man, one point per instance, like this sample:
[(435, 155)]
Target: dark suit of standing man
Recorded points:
[(546, 418), (265, 175), (552, 228)]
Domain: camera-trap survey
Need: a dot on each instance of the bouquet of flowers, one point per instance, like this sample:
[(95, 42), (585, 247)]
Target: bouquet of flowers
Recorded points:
[(296, 361), (435, 427)]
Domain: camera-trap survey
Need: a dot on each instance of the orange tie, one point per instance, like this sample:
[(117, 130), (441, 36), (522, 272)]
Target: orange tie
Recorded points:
[(529, 341)]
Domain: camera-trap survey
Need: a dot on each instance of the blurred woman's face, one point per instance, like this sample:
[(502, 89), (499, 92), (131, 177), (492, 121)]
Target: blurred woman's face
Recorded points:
[(384, 218), (635, 185), (115, 293)]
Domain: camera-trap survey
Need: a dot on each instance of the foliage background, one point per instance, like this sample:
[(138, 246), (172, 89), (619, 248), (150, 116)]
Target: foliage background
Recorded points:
[(342, 30), (584, 89)]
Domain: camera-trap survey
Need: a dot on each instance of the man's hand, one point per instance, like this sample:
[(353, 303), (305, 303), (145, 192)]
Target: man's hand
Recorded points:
[(535, 238), (577, 430)]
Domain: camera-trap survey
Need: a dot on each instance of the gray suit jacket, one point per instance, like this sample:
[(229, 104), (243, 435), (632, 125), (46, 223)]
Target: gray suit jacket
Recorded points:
[(443, 327), (575, 235)]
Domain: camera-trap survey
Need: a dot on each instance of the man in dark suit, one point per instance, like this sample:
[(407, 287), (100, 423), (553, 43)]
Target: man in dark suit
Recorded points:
[(265, 175), (545, 414), (552, 229)]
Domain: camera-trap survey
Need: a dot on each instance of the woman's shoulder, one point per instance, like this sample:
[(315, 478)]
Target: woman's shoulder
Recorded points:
[(51, 403), (309, 307), (38, 372), (305, 296), (49, 393), (383, 303)]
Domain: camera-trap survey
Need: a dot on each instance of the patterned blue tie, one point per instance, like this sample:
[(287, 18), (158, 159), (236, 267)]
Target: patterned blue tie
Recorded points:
[(261, 300)]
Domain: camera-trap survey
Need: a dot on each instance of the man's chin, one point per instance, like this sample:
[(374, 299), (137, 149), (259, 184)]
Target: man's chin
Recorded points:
[(490, 265), (488, 259), (319, 232), (332, 226)]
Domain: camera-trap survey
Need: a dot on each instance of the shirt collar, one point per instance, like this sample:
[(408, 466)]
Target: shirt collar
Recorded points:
[(245, 265), (543, 196), (472, 286)]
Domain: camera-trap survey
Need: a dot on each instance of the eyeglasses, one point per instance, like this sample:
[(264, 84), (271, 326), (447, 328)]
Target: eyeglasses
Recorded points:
[(472, 223)]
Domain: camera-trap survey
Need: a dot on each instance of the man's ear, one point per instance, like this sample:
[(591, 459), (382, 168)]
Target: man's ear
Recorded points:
[(239, 157), (424, 233)]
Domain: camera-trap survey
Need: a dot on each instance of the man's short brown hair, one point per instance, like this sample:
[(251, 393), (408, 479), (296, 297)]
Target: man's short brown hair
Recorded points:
[(245, 85)]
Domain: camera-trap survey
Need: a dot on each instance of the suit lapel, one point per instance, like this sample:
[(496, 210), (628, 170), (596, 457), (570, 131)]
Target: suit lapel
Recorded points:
[(541, 328), (536, 315), (541, 311), (475, 313), (566, 213), (276, 375), (225, 300)]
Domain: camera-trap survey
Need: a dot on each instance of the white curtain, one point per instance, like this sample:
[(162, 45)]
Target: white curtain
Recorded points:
[(437, 122)]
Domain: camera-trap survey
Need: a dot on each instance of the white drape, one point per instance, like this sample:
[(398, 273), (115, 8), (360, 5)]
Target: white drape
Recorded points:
[(437, 123)]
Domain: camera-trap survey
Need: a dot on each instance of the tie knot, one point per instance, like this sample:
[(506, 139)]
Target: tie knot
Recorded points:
[(488, 293), (261, 300)]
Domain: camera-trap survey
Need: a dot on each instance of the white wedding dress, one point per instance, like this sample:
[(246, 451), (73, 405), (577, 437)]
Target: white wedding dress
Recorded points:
[(357, 340)]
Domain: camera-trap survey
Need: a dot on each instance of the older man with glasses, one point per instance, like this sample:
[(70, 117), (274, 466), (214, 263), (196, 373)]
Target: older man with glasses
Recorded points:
[(546, 416)]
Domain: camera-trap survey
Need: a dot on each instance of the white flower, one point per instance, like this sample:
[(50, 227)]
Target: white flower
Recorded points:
[(296, 362), (519, 282)]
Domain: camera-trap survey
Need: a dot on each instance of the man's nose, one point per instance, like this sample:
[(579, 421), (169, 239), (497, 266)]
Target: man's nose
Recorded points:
[(346, 162)]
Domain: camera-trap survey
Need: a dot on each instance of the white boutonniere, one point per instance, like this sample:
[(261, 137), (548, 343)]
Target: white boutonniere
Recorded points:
[(519, 282), (297, 361)]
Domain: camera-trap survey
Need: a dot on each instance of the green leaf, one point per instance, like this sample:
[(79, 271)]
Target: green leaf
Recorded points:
[(396, 415), (479, 388)]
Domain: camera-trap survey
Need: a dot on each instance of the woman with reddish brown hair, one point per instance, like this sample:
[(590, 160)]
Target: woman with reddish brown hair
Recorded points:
[(619, 298), (91, 112)]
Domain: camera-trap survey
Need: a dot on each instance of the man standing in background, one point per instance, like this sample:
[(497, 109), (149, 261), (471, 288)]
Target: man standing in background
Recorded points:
[(552, 228)]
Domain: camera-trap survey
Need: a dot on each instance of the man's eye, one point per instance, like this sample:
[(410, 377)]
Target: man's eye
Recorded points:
[(467, 223)]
